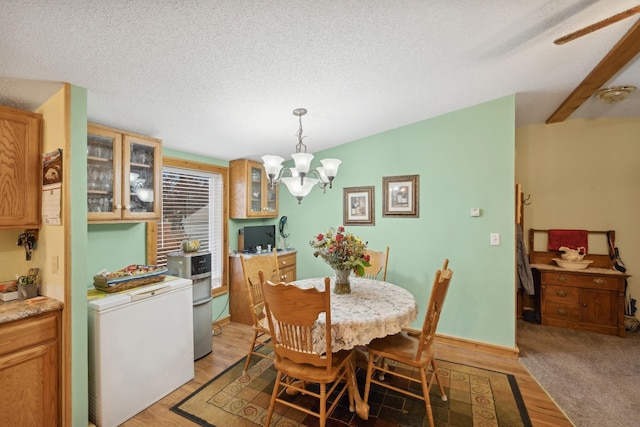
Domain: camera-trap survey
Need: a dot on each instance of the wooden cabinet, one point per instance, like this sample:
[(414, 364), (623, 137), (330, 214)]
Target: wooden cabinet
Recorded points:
[(20, 168), (29, 371), (591, 299), (251, 196), (287, 267), (238, 301), (124, 176)]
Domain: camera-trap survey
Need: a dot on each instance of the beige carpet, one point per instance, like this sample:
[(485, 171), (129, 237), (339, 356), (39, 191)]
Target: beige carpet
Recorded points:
[(477, 397), (594, 378)]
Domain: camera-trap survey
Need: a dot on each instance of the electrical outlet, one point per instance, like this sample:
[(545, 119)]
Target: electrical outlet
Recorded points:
[(495, 239), (475, 211)]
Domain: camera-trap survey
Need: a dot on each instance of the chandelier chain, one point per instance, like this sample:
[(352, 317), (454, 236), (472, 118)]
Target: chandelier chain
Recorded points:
[(300, 145)]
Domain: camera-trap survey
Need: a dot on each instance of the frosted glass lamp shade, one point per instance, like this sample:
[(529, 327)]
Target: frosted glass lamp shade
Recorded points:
[(299, 191), (272, 165), (303, 162), (331, 167)]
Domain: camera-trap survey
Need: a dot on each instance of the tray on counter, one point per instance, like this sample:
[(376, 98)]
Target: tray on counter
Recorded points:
[(129, 277)]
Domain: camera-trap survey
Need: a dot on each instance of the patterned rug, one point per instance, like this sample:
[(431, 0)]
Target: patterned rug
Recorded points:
[(476, 397)]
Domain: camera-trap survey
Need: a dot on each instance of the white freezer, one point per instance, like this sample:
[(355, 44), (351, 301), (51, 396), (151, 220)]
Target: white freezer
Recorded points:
[(140, 348)]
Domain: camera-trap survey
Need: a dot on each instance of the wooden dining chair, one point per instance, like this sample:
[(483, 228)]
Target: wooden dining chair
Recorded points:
[(292, 312), (413, 351), (251, 265), (378, 261)]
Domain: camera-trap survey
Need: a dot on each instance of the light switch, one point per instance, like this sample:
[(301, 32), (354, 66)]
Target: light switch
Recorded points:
[(495, 239), (53, 262), (475, 211)]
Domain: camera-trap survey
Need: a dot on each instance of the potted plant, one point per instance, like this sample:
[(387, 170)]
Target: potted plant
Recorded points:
[(28, 285)]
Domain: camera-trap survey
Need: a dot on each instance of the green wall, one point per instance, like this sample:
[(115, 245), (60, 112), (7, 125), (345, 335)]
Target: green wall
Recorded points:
[(78, 259), (465, 160)]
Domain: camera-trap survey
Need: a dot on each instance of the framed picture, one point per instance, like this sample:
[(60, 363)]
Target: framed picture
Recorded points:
[(400, 196), (358, 206)]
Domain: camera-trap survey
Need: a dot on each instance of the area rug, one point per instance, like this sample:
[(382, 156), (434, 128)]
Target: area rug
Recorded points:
[(476, 397)]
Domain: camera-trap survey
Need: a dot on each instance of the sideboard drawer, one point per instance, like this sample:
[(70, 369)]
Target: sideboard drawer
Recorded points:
[(562, 294), (585, 281), (286, 261), (562, 311)]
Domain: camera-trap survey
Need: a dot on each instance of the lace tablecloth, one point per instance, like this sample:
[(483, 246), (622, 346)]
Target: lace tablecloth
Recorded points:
[(373, 309)]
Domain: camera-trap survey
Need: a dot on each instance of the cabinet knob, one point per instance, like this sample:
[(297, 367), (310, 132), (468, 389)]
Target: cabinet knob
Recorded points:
[(118, 206), (127, 207), (562, 312), (584, 305), (561, 293)]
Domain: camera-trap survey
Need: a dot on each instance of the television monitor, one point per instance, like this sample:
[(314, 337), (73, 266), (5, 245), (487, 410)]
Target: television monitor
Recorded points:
[(259, 235)]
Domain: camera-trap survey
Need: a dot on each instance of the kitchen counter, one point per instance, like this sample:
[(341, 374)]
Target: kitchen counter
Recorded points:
[(20, 309), (236, 254)]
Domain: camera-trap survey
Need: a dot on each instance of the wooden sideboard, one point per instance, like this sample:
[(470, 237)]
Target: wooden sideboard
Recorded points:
[(591, 299), (238, 301)]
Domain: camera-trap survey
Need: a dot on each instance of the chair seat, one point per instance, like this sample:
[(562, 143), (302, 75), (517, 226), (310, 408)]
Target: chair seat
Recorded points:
[(310, 373), (401, 346)]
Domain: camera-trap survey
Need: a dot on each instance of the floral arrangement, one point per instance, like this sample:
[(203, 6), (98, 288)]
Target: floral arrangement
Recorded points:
[(341, 250)]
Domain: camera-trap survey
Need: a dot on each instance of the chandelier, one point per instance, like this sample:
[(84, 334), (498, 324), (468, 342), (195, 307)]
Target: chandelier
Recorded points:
[(300, 183)]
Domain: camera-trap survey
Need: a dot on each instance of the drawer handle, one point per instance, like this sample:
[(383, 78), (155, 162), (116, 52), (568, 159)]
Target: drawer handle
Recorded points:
[(561, 293), (562, 312), (284, 262), (600, 281), (561, 278)]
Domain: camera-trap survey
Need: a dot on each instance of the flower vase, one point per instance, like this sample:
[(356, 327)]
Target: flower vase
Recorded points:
[(342, 285)]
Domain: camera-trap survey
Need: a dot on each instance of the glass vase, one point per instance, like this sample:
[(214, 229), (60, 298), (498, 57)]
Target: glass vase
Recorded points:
[(342, 285)]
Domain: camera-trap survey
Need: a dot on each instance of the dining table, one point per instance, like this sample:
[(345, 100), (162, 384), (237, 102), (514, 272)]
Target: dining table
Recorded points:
[(373, 309)]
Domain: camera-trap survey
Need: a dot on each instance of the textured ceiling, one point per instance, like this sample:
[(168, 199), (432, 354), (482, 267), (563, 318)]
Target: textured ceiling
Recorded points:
[(221, 78)]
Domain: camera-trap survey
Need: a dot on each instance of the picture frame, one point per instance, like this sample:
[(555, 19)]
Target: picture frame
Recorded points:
[(401, 196), (358, 206)]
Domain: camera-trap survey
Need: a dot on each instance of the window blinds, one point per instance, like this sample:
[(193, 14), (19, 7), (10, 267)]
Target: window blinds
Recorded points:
[(192, 208)]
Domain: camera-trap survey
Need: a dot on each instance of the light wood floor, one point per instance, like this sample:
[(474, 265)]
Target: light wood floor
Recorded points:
[(231, 345)]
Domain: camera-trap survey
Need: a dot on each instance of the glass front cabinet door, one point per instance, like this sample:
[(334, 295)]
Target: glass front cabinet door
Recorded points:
[(123, 176), (251, 195), (263, 196)]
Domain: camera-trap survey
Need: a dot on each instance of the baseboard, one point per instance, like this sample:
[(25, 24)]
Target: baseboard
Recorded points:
[(482, 347)]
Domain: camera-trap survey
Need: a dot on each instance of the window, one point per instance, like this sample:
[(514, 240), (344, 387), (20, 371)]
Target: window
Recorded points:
[(193, 207)]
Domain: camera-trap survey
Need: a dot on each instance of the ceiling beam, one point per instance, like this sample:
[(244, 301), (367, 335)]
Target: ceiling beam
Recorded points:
[(619, 56), (601, 24)]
